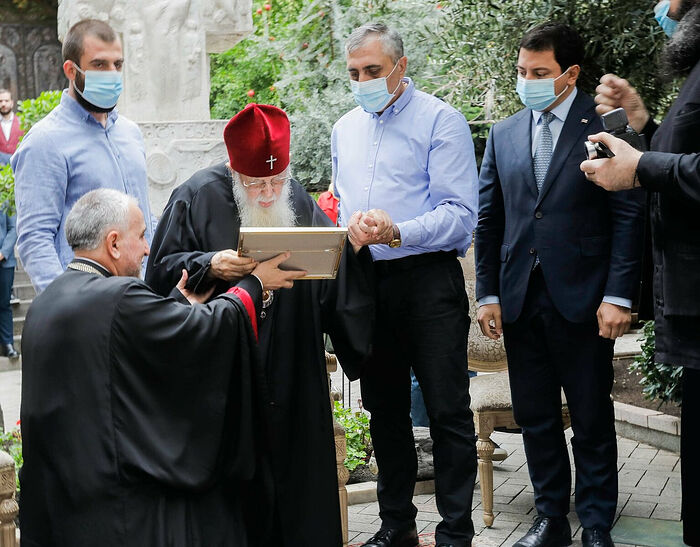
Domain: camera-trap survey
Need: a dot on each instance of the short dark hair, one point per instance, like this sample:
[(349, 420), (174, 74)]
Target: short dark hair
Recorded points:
[(566, 43), (73, 42)]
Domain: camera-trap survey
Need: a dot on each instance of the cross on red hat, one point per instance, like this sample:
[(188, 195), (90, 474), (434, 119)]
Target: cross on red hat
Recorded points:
[(257, 140)]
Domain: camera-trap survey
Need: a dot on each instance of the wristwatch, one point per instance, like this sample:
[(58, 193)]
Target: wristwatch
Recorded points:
[(396, 241)]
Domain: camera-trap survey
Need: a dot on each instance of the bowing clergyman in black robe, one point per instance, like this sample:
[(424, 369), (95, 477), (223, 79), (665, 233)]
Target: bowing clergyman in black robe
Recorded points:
[(140, 414), (198, 231)]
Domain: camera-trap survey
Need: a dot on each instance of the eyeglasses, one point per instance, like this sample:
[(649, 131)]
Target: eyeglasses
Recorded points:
[(259, 184)]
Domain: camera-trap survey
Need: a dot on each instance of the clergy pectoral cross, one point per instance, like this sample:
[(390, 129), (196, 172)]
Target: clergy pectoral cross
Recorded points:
[(271, 161)]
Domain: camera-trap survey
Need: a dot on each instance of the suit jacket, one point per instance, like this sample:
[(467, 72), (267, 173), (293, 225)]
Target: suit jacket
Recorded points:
[(671, 172), (8, 238), (589, 241)]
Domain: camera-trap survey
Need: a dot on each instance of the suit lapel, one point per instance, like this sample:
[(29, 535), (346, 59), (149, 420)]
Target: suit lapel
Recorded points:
[(520, 135), (576, 122)]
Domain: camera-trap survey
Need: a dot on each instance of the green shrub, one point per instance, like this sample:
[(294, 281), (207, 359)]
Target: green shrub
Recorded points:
[(29, 112), (661, 382), (11, 442), (477, 49), (357, 435)]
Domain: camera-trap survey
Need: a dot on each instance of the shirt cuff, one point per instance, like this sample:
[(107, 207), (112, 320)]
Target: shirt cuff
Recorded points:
[(410, 232), (618, 301), (491, 299)]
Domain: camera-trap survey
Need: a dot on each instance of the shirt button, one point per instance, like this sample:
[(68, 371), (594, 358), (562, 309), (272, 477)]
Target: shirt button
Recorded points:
[(538, 214), (366, 188), (532, 251), (381, 121), (370, 165), (375, 143)]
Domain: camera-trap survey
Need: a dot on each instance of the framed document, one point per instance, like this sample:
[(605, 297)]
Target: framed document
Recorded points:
[(314, 249)]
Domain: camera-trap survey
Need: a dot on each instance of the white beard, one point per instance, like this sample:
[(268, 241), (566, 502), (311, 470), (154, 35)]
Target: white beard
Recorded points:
[(280, 213)]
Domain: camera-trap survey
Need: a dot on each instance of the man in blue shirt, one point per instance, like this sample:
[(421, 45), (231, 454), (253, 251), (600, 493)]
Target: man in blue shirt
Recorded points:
[(557, 266), (404, 166), (83, 144)]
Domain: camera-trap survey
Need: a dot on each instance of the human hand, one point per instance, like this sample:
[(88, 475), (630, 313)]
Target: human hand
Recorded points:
[(193, 297), (357, 236), (615, 92), (272, 277), (379, 223), (227, 265), (613, 321), (2, 257), (489, 319), (613, 174)]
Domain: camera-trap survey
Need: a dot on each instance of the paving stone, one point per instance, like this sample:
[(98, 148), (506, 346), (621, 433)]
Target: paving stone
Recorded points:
[(638, 509), (667, 512)]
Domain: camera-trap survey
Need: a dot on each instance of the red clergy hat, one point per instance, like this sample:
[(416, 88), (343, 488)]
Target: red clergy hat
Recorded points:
[(257, 140)]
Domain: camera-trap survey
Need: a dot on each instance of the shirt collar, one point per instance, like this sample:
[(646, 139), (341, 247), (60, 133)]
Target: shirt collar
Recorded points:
[(402, 101), (561, 111), (8, 120), (75, 108)]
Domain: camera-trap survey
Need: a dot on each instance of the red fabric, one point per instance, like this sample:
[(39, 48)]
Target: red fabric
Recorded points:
[(249, 306), (257, 140), (9, 146), (329, 205)]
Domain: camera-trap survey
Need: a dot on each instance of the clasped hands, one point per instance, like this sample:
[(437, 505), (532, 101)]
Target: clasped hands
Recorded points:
[(371, 227)]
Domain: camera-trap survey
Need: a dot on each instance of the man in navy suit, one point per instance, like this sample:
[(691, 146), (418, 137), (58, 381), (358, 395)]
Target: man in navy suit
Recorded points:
[(558, 263)]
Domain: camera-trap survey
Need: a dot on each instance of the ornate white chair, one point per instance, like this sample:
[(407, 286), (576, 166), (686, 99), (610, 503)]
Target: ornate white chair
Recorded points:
[(490, 393)]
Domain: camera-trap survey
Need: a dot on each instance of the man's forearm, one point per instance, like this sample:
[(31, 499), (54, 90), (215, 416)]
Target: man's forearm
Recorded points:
[(40, 261)]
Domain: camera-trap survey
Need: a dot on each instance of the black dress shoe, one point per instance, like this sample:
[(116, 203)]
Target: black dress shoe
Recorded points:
[(595, 537), (8, 350), (547, 532), (391, 537)]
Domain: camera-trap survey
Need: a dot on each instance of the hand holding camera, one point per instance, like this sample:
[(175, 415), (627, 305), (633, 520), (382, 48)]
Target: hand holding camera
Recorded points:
[(615, 122)]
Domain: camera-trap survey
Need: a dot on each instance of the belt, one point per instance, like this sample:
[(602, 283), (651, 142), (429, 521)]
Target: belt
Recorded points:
[(386, 267)]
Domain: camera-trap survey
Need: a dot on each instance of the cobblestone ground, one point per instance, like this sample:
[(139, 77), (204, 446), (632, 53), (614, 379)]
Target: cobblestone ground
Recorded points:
[(649, 487)]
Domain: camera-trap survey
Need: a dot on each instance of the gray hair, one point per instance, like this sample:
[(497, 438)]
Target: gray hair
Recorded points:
[(391, 40), (94, 215)]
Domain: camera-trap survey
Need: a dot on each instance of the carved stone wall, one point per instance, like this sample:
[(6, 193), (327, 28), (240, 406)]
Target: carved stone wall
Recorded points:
[(175, 150), (30, 60)]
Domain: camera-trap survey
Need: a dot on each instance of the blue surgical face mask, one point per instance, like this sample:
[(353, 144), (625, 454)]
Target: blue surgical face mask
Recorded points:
[(102, 87), (661, 15), (538, 94), (373, 95)]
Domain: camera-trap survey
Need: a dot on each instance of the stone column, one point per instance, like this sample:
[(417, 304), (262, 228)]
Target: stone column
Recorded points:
[(8, 504), (340, 453)]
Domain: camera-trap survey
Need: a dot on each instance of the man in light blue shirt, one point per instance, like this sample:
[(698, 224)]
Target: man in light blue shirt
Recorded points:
[(83, 144), (404, 166)]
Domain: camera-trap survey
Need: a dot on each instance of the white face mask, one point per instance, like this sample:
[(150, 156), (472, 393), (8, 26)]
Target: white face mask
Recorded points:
[(373, 95), (538, 94)]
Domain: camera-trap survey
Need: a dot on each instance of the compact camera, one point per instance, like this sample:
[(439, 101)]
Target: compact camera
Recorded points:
[(616, 123)]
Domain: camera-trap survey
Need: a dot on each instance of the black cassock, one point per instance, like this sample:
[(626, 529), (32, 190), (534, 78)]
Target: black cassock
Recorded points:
[(140, 416), (202, 218)]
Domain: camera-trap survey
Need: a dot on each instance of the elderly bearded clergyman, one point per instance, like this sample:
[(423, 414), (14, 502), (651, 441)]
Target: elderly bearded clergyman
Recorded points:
[(198, 231), (140, 414)]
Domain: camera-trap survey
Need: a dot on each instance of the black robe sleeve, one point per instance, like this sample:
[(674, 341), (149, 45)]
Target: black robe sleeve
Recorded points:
[(175, 246), (185, 389), (347, 304)]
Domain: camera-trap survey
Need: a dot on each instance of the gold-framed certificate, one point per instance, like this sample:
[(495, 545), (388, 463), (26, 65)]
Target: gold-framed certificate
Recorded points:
[(317, 250)]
